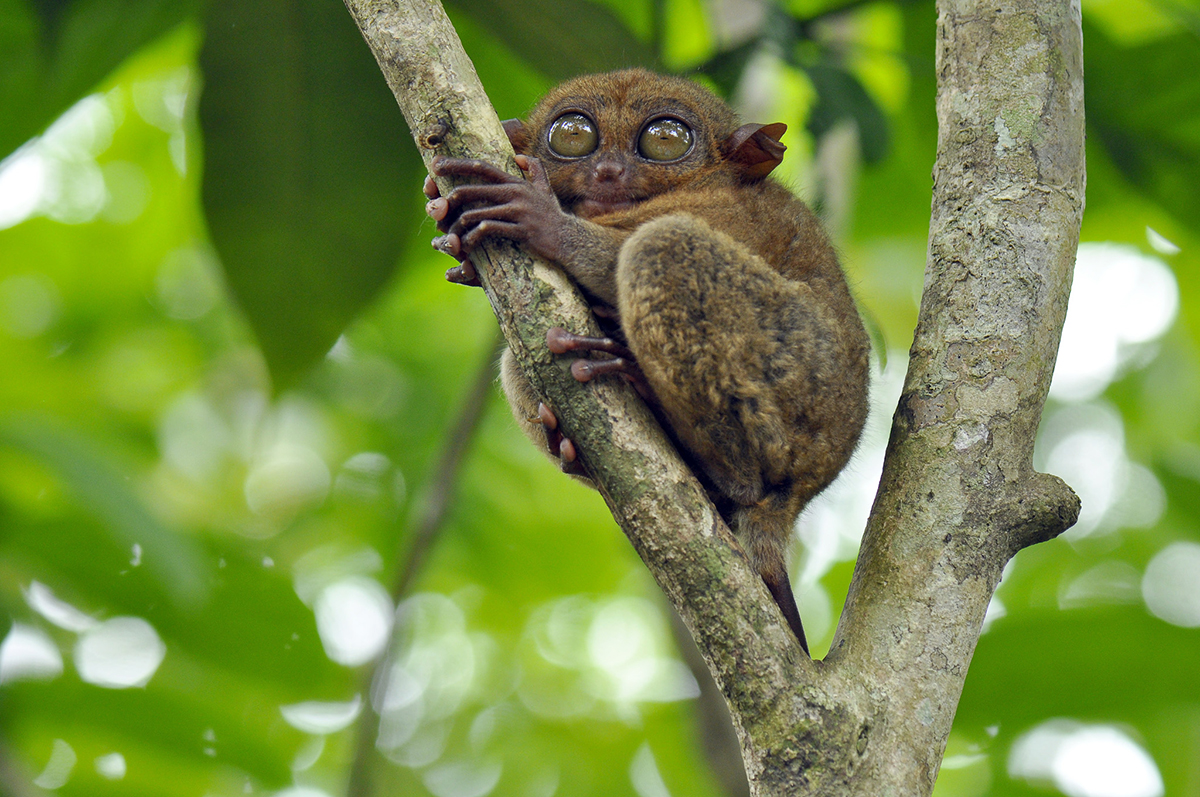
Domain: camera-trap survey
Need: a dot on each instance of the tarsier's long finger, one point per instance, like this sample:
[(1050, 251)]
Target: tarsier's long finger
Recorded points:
[(486, 194), (469, 167), (534, 171), (449, 244), (436, 209), (464, 274)]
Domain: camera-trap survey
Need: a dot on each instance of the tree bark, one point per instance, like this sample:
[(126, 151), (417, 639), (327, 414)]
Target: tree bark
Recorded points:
[(959, 495)]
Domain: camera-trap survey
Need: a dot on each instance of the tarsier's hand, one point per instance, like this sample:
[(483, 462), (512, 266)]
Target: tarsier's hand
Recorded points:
[(464, 273), (525, 211)]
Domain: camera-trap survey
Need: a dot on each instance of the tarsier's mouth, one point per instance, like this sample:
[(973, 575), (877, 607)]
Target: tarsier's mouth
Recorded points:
[(590, 208)]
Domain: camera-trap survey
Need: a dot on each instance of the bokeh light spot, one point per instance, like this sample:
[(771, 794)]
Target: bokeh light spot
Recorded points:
[(1171, 585), (354, 619), (1085, 761), (111, 766), (119, 653), (28, 653), (43, 601), (320, 718), (1120, 300), (463, 778), (29, 304), (287, 479), (58, 768)]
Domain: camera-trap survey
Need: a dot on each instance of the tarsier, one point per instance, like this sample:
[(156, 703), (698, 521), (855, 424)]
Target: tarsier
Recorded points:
[(721, 295)]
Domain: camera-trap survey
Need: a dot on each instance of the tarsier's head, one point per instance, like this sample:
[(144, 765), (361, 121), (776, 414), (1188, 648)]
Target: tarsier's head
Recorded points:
[(610, 141)]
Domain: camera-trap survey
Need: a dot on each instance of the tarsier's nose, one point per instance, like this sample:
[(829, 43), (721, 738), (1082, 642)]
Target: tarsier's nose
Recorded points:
[(609, 170)]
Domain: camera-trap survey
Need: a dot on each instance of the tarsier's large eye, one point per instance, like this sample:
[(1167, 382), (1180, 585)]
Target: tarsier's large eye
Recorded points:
[(572, 135), (665, 139)]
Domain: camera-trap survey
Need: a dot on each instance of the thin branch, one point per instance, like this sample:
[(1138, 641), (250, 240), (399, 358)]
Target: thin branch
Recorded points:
[(430, 519), (444, 476)]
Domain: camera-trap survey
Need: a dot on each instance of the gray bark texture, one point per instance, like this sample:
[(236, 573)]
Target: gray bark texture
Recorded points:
[(959, 495)]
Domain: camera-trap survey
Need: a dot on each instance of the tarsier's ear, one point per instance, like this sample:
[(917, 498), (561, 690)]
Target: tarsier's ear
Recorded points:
[(756, 148), (517, 136)]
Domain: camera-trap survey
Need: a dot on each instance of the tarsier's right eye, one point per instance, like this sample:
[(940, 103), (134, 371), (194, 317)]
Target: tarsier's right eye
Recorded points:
[(572, 136)]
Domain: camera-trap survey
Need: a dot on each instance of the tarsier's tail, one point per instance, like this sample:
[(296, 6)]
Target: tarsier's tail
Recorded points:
[(781, 591), (765, 529)]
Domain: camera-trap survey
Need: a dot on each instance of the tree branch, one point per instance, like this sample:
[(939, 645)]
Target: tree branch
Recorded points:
[(427, 521), (959, 495)]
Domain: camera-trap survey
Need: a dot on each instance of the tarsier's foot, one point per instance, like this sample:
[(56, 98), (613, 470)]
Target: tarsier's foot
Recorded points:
[(559, 446), (560, 341)]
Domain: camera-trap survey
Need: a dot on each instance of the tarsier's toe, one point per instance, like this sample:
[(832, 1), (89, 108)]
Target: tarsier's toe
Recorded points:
[(547, 418), (559, 446)]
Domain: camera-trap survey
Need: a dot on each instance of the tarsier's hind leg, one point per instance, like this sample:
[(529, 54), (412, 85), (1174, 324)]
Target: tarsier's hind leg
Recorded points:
[(736, 355)]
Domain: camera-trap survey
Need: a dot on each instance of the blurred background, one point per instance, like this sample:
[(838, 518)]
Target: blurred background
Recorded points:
[(255, 474)]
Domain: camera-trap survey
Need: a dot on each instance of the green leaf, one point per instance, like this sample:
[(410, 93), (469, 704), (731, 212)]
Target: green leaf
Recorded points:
[(1148, 116), (840, 96), (547, 34), (102, 485), (726, 67), (56, 52), (308, 171)]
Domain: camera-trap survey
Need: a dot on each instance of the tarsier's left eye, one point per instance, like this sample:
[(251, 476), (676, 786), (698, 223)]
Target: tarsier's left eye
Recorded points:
[(665, 139)]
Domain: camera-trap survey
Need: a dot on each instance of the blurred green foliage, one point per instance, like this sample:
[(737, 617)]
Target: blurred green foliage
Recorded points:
[(231, 366)]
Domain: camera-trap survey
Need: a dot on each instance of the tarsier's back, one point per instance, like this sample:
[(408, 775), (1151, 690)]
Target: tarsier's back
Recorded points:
[(721, 283)]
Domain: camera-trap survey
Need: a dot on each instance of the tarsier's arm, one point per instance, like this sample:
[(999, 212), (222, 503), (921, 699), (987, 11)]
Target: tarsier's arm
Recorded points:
[(528, 212)]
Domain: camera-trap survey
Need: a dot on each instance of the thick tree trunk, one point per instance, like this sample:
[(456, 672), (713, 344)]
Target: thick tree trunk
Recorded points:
[(959, 495)]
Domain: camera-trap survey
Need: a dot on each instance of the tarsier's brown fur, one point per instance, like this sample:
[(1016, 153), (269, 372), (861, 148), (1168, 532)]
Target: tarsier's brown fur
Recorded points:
[(727, 291)]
